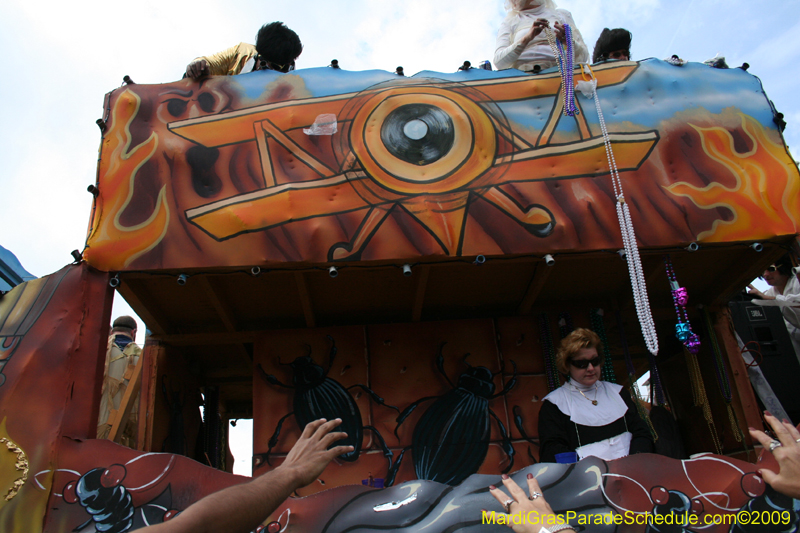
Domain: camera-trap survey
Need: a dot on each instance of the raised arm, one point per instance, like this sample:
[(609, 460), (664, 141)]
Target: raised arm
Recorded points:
[(241, 508), (225, 63), (506, 52)]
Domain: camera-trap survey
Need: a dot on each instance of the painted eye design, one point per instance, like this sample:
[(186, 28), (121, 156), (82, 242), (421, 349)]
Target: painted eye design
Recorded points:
[(176, 107), (206, 102)]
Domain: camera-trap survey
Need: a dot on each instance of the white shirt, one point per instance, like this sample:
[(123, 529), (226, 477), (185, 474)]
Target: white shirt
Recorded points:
[(791, 315), (511, 53), (569, 400), (610, 407)]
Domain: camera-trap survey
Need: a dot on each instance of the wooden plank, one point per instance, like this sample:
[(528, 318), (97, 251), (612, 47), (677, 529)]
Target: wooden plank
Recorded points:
[(419, 296), (225, 315), (149, 389), (220, 306), (305, 299), (119, 417), (749, 265), (540, 274), (145, 307), (747, 403), (207, 339)]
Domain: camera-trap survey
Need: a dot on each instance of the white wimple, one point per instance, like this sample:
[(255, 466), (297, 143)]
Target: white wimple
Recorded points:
[(628, 238)]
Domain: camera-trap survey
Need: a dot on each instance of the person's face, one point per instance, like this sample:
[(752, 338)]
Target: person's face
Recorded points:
[(773, 277), (622, 55), (585, 376)]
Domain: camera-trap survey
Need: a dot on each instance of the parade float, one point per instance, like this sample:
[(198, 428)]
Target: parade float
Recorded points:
[(381, 244)]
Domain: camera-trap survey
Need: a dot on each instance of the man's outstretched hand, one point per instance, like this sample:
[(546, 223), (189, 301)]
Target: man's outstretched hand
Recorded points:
[(310, 454), (197, 69)]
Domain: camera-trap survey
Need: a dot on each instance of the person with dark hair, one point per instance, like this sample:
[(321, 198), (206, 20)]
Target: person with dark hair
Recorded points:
[(277, 47), (586, 415), (122, 355), (784, 287), (613, 44)]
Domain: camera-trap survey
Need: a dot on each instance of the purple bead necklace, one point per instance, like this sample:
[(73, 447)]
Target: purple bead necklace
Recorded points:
[(567, 67), (680, 297)]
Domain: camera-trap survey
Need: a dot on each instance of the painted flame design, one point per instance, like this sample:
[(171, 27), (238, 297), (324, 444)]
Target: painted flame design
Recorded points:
[(764, 200), (112, 246)]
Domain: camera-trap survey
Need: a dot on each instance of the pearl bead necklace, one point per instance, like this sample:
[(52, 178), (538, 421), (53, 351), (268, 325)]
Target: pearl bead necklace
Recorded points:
[(566, 65), (635, 270)]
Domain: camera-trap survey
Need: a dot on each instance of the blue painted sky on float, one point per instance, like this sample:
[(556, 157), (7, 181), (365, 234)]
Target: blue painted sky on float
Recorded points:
[(669, 89), (655, 92)]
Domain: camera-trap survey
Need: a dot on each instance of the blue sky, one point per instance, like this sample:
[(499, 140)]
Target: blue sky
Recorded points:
[(60, 58)]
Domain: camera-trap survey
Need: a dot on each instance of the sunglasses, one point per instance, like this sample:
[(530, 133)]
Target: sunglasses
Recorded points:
[(263, 64), (771, 268), (584, 363)]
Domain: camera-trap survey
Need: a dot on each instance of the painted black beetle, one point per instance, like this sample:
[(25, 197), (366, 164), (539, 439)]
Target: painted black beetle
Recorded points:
[(451, 439), (318, 396), (101, 493)]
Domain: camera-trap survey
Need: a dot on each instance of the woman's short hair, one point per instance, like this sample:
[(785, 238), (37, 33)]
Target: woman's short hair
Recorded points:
[(572, 344)]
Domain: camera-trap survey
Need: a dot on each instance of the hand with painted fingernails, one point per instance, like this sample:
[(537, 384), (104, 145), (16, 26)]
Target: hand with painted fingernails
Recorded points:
[(786, 449), (525, 513)]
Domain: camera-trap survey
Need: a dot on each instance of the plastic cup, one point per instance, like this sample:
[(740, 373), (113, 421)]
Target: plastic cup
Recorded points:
[(567, 458)]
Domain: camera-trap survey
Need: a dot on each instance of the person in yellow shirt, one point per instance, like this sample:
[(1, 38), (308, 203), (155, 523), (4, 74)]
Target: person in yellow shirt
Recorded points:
[(277, 47)]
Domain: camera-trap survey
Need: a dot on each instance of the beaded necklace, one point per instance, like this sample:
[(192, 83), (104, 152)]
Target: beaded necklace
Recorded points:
[(700, 398), (594, 402), (680, 297), (683, 330), (628, 237), (546, 339), (566, 65), (723, 381), (655, 381), (565, 324), (607, 373), (634, 386)]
